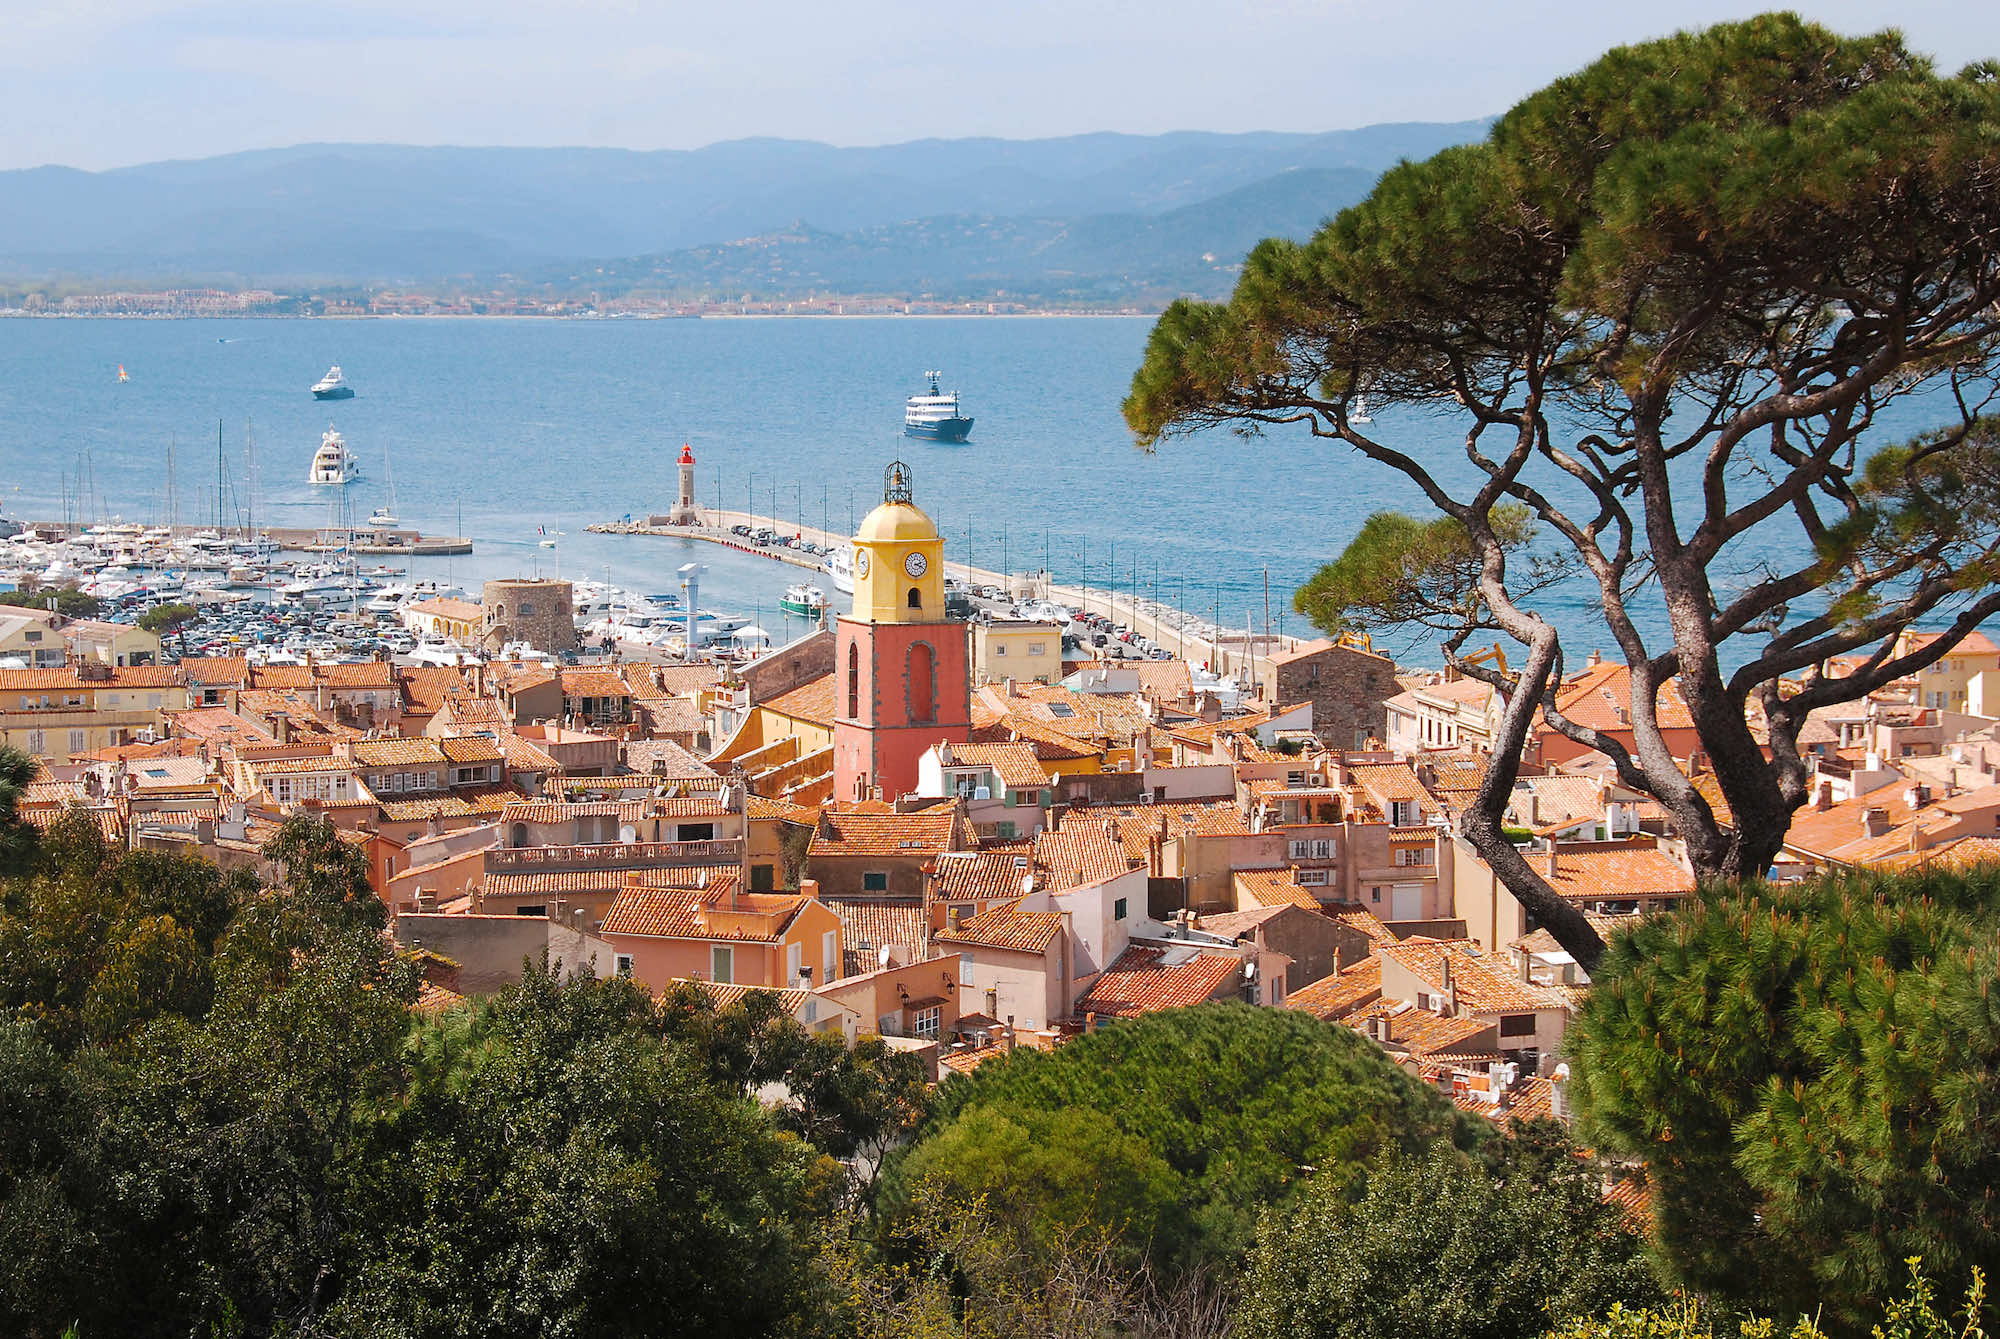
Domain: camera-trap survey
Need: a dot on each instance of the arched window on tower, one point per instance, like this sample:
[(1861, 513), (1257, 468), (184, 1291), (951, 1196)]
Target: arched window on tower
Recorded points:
[(916, 598), (923, 684), (853, 680)]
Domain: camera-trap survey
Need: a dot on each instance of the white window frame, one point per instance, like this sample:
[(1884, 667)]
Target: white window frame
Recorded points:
[(925, 1024)]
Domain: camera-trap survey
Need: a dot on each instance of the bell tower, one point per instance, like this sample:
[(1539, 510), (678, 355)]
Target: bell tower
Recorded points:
[(902, 670)]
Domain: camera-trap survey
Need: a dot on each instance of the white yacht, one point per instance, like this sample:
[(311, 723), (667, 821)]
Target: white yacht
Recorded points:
[(333, 386), (935, 417), (333, 463), (840, 569)]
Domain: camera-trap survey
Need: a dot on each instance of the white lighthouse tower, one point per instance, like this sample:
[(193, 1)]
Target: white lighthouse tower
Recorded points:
[(684, 512)]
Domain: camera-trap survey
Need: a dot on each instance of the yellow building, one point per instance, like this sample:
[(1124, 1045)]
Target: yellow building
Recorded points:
[(30, 636), (461, 621), (1946, 684), (54, 713), (1019, 649)]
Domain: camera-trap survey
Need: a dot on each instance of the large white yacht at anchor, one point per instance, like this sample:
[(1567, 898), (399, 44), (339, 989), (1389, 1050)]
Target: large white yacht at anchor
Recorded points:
[(333, 463)]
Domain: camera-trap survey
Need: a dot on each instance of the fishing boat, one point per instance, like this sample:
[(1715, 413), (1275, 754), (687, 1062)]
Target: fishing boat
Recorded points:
[(333, 463), (333, 386), (935, 416), (121, 373), (803, 600)]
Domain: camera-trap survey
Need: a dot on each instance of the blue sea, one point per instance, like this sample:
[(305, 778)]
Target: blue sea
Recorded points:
[(505, 429)]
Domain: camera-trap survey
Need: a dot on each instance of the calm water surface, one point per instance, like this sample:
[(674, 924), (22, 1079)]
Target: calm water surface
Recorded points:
[(517, 426)]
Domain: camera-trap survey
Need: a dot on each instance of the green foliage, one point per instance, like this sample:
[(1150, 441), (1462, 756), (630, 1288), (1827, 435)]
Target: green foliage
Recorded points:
[(169, 618), (17, 839), (1811, 1073), (70, 602), (1398, 571), (1205, 1115), (1438, 1245), (219, 1116), (554, 1166), (1913, 1314)]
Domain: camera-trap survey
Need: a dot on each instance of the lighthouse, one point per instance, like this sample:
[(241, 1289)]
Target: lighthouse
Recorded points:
[(684, 512)]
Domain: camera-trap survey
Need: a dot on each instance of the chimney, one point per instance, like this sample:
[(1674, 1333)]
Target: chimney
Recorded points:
[(1010, 1032), (1823, 797), (1450, 1000), (955, 918), (805, 978), (1549, 860), (1874, 821)]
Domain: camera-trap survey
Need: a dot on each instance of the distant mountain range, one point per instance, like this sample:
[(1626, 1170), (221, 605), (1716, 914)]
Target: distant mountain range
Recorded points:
[(1098, 216)]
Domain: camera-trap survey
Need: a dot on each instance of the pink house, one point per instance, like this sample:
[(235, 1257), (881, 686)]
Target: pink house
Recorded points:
[(723, 935)]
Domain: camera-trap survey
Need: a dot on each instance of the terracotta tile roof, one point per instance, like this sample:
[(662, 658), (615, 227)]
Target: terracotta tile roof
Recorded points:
[(664, 758), (672, 913), (318, 765), (1078, 856), (1334, 997), (670, 715), (672, 680), (360, 674), (1136, 825), (444, 606), (870, 924), (1597, 696), (66, 676), (593, 683), (536, 883), (472, 748), (920, 833), (984, 875), (1015, 764), (1958, 853), (1560, 801), (1633, 1195), (790, 1000), (1480, 986), (426, 688), (1273, 888), (1613, 871), (417, 752), (1390, 781), (1356, 917), (524, 756), (467, 712), (486, 801), (810, 702), (219, 725), (1424, 1034), (1145, 979), (216, 670), (1202, 734), (1006, 927)]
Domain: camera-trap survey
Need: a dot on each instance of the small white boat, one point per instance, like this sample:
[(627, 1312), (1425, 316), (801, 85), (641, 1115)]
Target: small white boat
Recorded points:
[(333, 463)]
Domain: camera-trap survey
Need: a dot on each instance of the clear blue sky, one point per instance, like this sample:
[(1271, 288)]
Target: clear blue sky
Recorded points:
[(100, 83)]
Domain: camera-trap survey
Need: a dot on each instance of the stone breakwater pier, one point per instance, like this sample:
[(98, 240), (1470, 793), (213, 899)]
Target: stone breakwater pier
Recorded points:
[(1226, 651)]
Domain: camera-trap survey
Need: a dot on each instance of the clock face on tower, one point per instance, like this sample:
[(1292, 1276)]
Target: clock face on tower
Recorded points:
[(861, 563), (915, 564)]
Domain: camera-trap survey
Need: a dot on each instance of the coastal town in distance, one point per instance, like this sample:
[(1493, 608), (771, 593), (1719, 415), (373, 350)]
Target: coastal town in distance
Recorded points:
[(1424, 762)]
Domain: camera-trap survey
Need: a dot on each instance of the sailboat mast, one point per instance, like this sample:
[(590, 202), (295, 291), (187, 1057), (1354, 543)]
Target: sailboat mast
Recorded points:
[(250, 481), (173, 503), (221, 473)]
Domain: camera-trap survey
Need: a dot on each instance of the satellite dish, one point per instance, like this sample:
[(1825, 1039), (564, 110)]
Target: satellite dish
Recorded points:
[(882, 956)]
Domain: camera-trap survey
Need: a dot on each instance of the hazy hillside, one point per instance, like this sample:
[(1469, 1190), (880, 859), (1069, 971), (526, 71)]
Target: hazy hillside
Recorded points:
[(1035, 209)]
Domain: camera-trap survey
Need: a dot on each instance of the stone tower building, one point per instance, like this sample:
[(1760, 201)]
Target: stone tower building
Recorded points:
[(540, 613), (902, 668)]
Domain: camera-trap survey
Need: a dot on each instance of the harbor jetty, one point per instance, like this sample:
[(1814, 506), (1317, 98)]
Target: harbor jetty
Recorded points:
[(1225, 650)]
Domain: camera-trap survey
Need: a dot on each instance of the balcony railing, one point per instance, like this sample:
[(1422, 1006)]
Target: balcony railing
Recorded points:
[(615, 855)]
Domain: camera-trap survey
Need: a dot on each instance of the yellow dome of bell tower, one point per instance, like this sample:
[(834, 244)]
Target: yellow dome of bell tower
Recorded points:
[(898, 558)]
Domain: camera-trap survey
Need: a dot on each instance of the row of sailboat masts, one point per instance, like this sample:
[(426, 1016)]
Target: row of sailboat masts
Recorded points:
[(229, 509)]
